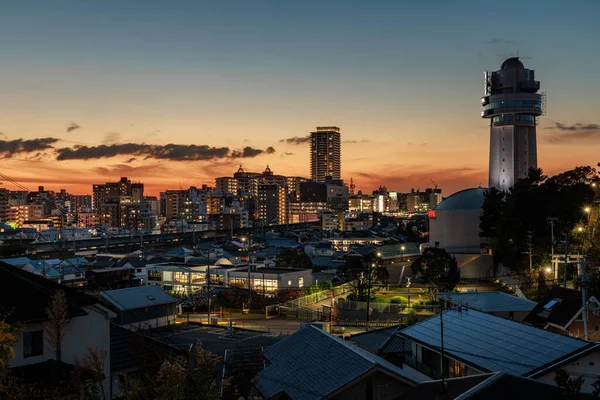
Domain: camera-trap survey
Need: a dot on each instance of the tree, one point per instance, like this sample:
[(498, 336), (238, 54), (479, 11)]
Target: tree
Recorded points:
[(438, 269), (293, 258), (8, 338), (90, 373), (381, 274), (355, 272), (57, 327), (571, 387), (318, 287), (508, 218)]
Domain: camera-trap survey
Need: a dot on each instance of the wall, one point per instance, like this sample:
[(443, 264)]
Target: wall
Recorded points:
[(588, 366), (384, 387), (89, 331), (456, 230)]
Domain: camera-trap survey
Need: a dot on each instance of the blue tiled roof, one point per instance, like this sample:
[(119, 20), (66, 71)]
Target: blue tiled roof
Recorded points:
[(492, 343), (311, 364)]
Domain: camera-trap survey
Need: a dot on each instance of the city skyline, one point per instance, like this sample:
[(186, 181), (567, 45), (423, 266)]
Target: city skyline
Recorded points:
[(247, 84)]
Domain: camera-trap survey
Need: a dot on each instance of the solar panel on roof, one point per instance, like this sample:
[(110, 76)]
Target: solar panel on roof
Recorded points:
[(550, 304)]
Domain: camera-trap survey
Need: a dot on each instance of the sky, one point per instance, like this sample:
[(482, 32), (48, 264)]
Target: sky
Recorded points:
[(174, 94)]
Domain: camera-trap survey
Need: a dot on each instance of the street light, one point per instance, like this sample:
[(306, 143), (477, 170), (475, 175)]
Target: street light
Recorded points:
[(580, 229), (548, 270), (587, 209)]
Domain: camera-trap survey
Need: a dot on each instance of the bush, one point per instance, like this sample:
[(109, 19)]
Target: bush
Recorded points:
[(381, 300), (399, 300), (411, 318), (429, 302)]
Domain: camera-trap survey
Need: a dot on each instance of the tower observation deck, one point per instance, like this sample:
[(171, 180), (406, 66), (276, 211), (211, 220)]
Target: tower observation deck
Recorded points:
[(512, 104)]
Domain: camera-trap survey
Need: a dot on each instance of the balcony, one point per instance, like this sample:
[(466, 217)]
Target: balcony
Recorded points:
[(419, 366)]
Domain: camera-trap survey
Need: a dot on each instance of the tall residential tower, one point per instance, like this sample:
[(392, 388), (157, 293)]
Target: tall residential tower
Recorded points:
[(325, 153), (512, 104)]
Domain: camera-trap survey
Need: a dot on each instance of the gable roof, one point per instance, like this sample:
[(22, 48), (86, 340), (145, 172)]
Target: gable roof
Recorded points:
[(136, 297), (375, 339), (489, 301), (312, 364), (129, 349), (490, 343), (568, 304), (490, 386), (25, 296)]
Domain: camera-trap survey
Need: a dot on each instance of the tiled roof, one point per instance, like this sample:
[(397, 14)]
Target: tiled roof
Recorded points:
[(27, 295), (129, 349), (373, 340), (136, 297), (491, 386), (489, 301), (311, 364), (568, 303), (491, 343)]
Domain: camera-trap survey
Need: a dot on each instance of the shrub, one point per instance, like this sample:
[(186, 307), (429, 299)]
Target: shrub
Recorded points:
[(381, 300), (399, 300)]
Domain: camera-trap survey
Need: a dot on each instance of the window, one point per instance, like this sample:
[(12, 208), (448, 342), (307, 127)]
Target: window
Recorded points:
[(33, 343), (301, 282), (138, 270)]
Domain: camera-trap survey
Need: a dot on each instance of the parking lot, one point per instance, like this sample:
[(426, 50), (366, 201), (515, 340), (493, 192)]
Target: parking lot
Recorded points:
[(214, 339)]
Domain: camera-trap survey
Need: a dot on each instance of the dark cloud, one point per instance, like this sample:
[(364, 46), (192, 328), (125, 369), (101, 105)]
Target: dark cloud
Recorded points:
[(72, 127), (572, 133), (356, 141), (251, 152), (173, 152), (289, 154), (501, 41), (9, 148), (132, 159), (111, 137), (296, 140)]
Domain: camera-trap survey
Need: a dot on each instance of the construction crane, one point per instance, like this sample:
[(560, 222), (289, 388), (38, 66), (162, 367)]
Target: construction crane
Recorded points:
[(435, 184), (352, 186)]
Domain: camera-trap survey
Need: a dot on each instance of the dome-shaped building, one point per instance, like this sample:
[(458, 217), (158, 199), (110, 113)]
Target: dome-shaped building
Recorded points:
[(454, 223)]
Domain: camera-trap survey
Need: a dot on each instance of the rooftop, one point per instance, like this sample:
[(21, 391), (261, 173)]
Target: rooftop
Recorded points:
[(468, 199), (311, 364), (492, 343), (558, 307), (27, 295), (489, 301), (136, 297), (491, 386)]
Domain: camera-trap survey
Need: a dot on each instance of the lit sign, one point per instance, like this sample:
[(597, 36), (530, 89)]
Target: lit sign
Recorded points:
[(431, 214)]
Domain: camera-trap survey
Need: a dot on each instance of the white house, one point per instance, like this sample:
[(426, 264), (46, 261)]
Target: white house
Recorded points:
[(28, 296)]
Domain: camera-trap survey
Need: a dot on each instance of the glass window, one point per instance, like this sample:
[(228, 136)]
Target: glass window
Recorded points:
[(33, 343), (301, 282), (167, 275)]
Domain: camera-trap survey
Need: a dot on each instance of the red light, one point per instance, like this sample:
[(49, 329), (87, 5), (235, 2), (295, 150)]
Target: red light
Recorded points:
[(431, 214)]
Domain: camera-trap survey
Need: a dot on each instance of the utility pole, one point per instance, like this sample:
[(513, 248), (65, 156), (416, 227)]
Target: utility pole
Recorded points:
[(566, 257), (442, 346), (552, 220), (208, 284), (584, 297), (530, 250), (369, 272)]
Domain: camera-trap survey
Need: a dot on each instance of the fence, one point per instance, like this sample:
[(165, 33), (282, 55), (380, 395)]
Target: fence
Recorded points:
[(318, 296), (388, 308)]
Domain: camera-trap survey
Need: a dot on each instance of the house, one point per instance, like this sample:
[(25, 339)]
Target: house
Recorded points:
[(477, 343), (384, 342), (490, 386), (495, 303), (313, 364), (26, 297), (141, 307), (132, 351), (323, 249), (561, 310)]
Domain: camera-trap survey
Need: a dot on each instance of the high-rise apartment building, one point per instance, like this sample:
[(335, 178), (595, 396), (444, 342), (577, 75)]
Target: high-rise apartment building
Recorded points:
[(272, 204), (4, 206), (512, 104), (325, 153)]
